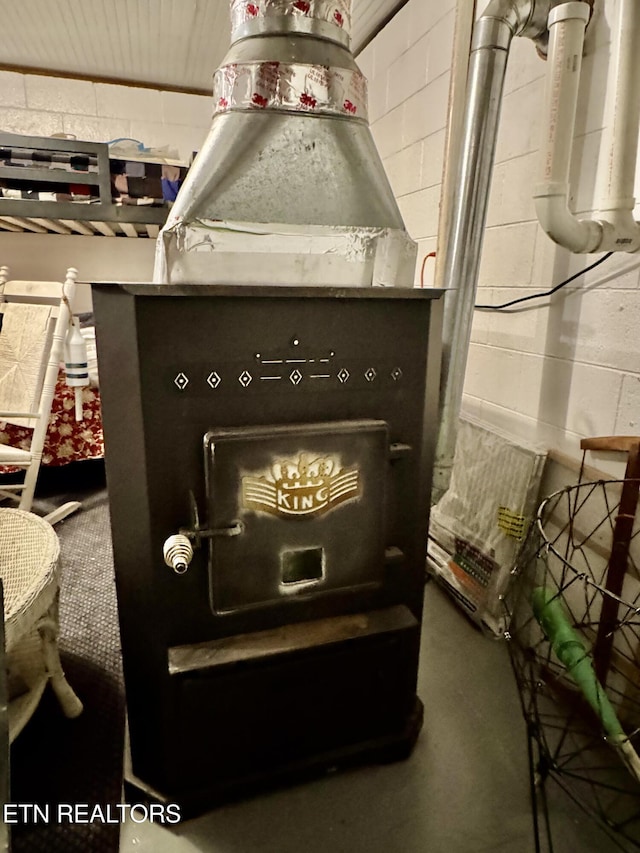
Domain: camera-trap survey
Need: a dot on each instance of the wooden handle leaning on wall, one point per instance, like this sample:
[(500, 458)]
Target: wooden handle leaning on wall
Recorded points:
[(620, 443)]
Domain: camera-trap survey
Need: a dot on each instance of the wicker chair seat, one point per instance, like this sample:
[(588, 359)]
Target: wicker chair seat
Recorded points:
[(29, 568)]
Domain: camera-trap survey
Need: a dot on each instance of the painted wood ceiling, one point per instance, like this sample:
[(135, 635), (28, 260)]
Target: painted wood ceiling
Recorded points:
[(166, 43)]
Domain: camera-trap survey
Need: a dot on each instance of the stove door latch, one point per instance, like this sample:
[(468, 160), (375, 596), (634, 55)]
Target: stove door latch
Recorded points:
[(178, 549)]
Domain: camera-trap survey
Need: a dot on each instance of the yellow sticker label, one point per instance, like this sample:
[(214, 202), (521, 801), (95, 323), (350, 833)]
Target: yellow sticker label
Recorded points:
[(511, 523)]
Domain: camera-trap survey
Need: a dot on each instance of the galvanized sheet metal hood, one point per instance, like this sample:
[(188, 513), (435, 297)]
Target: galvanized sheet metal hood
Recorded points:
[(289, 165)]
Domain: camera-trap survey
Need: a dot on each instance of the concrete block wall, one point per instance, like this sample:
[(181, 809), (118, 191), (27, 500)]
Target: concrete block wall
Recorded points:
[(570, 367), (101, 112), (97, 112)]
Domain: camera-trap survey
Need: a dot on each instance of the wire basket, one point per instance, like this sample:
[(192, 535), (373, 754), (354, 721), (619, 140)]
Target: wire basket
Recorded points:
[(574, 638)]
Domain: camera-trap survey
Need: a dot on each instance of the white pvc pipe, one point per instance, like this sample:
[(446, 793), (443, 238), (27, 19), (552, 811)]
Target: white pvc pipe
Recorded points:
[(566, 42), (567, 25), (620, 137), (614, 228)]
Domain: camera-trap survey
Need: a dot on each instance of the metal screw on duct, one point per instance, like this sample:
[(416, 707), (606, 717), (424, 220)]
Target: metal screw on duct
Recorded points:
[(289, 177)]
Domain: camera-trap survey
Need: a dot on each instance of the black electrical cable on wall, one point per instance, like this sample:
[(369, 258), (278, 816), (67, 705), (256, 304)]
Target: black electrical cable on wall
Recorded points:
[(546, 292)]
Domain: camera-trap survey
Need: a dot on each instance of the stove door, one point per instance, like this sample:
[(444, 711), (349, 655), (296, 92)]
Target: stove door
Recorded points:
[(310, 500)]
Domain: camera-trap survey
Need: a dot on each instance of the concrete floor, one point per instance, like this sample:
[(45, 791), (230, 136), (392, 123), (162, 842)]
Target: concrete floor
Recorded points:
[(463, 790)]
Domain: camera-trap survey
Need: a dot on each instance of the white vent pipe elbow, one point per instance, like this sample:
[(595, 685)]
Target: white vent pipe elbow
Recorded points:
[(582, 236), (567, 25), (614, 228)]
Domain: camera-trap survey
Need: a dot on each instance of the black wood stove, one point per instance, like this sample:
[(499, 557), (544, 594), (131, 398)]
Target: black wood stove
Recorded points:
[(268, 454)]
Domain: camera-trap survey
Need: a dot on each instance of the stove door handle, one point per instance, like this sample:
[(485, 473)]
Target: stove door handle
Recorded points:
[(178, 553)]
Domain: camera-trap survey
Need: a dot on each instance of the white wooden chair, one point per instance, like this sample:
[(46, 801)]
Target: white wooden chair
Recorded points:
[(35, 319)]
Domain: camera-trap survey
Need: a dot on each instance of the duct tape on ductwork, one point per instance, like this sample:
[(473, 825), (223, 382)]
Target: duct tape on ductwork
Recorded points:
[(285, 86), (337, 12)]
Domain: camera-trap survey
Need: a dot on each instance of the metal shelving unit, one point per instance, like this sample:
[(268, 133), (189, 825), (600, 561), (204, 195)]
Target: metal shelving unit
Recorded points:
[(100, 217)]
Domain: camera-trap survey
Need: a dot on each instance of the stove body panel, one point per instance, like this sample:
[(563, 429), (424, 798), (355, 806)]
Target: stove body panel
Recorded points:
[(308, 417)]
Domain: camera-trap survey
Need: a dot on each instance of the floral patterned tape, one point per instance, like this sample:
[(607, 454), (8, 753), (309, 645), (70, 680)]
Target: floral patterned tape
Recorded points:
[(336, 12), (283, 86)]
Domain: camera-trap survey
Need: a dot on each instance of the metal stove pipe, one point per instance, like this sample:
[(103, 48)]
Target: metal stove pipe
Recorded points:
[(493, 34), (289, 168)]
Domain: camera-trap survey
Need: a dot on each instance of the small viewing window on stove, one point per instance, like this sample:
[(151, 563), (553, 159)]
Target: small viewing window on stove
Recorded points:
[(305, 565)]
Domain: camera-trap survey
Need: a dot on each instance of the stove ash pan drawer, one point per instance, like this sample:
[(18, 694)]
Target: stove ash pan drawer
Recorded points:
[(281, 697), (310, 502)]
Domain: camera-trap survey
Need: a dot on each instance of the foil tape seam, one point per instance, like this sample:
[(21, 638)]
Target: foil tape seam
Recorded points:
[(285, 86), (354, 244)]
